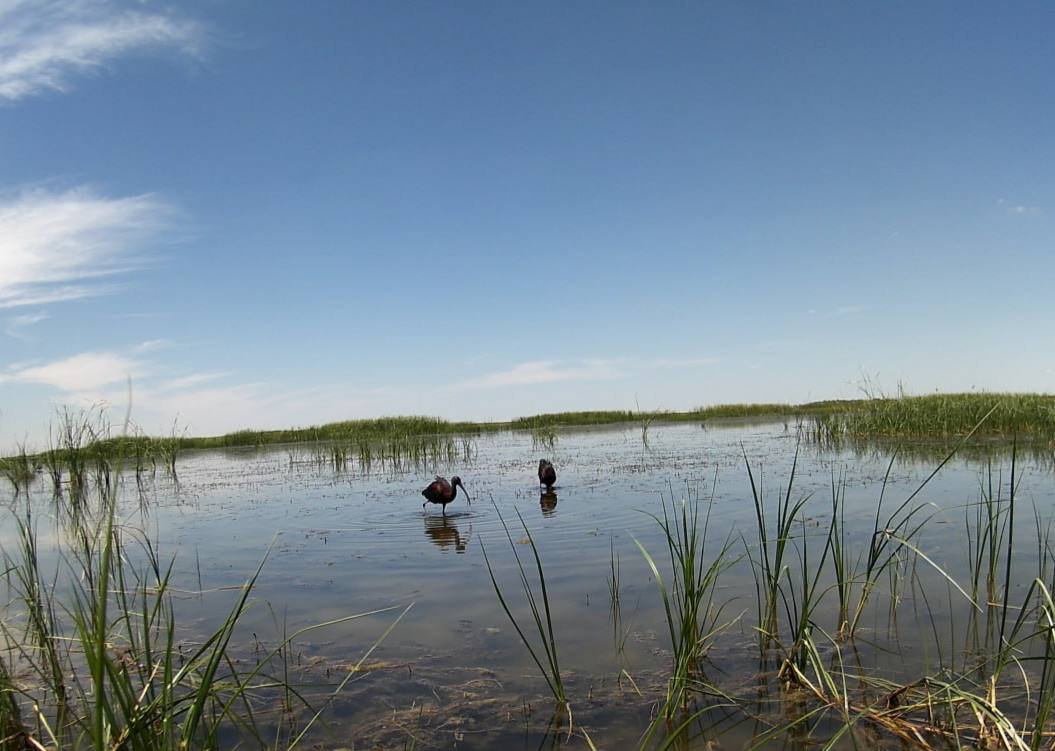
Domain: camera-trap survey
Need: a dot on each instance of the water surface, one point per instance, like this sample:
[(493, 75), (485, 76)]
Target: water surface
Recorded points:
[(453, 673)]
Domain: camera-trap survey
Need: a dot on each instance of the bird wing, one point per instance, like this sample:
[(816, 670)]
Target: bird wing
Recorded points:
[(438, 489)]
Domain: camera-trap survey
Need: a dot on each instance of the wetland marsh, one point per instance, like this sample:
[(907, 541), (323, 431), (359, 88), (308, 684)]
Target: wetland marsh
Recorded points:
[(809, 593)]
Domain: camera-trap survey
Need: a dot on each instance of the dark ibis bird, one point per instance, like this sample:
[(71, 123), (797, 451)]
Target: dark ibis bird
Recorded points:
[(547, 475), (442, 492)]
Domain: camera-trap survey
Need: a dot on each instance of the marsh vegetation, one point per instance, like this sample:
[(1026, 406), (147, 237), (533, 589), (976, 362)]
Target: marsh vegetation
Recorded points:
[(758, 585)]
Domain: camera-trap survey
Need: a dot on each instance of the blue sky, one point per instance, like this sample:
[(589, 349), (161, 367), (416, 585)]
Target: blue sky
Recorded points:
[(273, 214)]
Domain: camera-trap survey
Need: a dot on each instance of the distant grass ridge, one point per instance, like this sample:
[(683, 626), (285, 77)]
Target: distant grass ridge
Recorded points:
[(942, 416), (934, 416), (385, 429), (611, 417), (380, 429)]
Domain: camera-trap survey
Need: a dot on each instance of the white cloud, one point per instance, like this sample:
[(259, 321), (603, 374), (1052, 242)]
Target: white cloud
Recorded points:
[(16, 324), (1018, 209), (44, 43), (199, 411), (66, 245), (195, 405), (152, 345), (85, 371), (549, 371), (189, 381)]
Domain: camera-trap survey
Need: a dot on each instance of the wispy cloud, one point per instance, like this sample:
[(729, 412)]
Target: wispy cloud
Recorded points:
[(1017, 209), (87, 370), (549, 371), (16, 325), (153, 345), (202, 405), (201, 411), (190, 381), (45, 43), (95, 371), (841, 312), (57, 246)]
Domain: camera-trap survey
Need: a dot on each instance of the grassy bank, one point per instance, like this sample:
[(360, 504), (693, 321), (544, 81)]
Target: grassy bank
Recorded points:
[(611, 417), (930, 416), (84, 438), (942, 417)]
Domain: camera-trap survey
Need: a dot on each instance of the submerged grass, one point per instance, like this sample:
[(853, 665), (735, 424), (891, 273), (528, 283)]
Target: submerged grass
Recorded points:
[(991, 685), (93, 638), (694, 615), (544, 437), (541, 617), (19, 470), (987, 676), (99, 635)]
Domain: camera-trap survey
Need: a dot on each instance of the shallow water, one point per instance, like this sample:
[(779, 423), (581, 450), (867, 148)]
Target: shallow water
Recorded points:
[(453, 673)]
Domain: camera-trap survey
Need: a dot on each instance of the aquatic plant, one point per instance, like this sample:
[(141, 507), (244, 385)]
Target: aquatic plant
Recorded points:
[(936, 416), (19, 470), (768, 564), (541, 616), (694, 616), (544, 437), (99, 639)]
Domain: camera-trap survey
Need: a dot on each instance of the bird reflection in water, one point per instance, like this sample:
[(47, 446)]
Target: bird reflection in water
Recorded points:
[(444, 533), (548, 502)]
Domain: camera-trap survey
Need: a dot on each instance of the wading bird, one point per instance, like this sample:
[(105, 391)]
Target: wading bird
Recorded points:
[(547, 475), (442, 492)]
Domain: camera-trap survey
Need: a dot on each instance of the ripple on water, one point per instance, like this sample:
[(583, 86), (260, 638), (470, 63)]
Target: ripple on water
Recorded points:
[(348, 542)]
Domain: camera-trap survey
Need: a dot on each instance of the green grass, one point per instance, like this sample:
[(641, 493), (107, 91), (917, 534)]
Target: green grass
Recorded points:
[(694, 610), (941, 416), (103, 663), (81, 650), (81, 440), (379, 430), (641, 417), (540, 612), (101, 642), (19, 470), (980, 670)]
